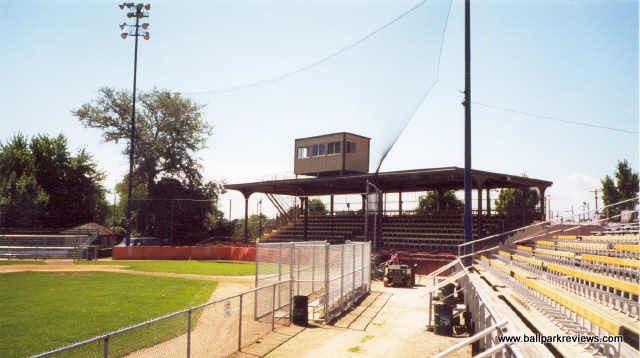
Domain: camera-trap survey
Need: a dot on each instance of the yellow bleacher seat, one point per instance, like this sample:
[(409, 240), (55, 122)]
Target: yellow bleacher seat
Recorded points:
[(564, 237), (566, 254), (524, 248), (630, 248), (603, 280), (614, 261)]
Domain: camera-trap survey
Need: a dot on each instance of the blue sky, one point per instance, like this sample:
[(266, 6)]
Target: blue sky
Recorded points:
[(573, 60)]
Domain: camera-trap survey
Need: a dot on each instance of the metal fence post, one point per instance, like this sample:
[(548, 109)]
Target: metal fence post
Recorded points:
[(292, 249), (255, 294), (189, 333), (279, 271), (298, 268), (240, 325), (363, 265), (313, 269), (341, 274), (273, 308), (326, 282), (353, 268), (105, 350)]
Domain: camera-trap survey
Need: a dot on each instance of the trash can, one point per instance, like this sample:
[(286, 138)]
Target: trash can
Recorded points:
[(442, 318), (300, 311)]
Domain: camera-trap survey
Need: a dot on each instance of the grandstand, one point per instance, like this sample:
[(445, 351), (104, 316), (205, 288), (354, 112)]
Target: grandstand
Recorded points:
[(558, 279)]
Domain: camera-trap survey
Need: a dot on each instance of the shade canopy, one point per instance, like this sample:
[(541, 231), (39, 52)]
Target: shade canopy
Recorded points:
[(448, 178)]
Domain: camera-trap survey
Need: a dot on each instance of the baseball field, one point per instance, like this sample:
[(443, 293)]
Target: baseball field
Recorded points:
[(46, 306)]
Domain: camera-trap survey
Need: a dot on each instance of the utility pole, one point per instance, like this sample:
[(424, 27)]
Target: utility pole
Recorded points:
[(229, 210), (138, 11), (468, 226), (595, 193)]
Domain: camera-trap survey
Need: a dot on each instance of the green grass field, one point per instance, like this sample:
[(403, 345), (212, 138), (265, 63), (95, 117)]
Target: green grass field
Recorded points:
[(46, 310), (217, 268), (21, 262)]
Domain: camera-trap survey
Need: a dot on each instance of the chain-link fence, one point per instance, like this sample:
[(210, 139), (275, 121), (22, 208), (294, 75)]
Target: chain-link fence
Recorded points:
[(213, 329), (332, 276)]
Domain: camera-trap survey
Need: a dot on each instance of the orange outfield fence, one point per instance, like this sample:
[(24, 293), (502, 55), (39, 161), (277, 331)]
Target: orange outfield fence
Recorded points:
[(184, 253)]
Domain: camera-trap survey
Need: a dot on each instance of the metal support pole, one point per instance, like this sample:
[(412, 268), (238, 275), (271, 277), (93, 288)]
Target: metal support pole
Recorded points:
[(363, 264), (273, 308), (298, 270), (291, 253), (306, 216), (399, 203), (365, 211), (342, 273), (429, 308), (105, 349), (468, 228), (313, 268), (326, 282), (353, 269), (240, 325), (255, 293), (246, 219), (189, 333)]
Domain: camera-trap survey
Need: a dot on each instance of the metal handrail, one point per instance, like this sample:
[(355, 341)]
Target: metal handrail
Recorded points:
[(444, 268), (503, 233), (471, 339)]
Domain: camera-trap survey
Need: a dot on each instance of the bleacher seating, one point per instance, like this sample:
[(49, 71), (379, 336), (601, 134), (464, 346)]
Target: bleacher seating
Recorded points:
[(72, 246), (414, 232), (593, 277)]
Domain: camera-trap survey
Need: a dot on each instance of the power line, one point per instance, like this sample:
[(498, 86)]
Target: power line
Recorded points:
[(532, 115), (315, 63)]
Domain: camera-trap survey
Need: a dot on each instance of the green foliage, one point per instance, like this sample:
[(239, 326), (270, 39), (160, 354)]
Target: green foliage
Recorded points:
[(440, 201), (316, 207), (170, 199), (170, 128), (518, 204), (253, 226), (77, 306), (42, 184), (624, 187)]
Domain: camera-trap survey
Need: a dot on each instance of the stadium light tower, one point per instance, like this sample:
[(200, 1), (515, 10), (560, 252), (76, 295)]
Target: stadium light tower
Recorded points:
[(137, 11)]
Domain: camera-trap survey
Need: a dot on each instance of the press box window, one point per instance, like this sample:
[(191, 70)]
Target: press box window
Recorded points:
[(317, 150), (333, 148), (351, 147), (303, 152)]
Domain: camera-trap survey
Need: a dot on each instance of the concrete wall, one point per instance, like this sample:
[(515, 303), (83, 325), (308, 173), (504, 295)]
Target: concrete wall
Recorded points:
[(184, 253)]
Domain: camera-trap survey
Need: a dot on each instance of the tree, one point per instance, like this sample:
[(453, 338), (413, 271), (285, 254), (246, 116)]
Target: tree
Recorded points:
[(169, 130), (253, 226), (316, 207), (439, 200), (42, 184), (515, 203), (625, 187)]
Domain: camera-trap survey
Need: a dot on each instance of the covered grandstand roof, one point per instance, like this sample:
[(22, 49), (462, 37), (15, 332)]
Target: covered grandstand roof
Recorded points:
[(447, 178)]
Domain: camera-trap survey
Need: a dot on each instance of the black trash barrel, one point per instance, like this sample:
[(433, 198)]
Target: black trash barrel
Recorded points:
[(300, 310), (442, 317)]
